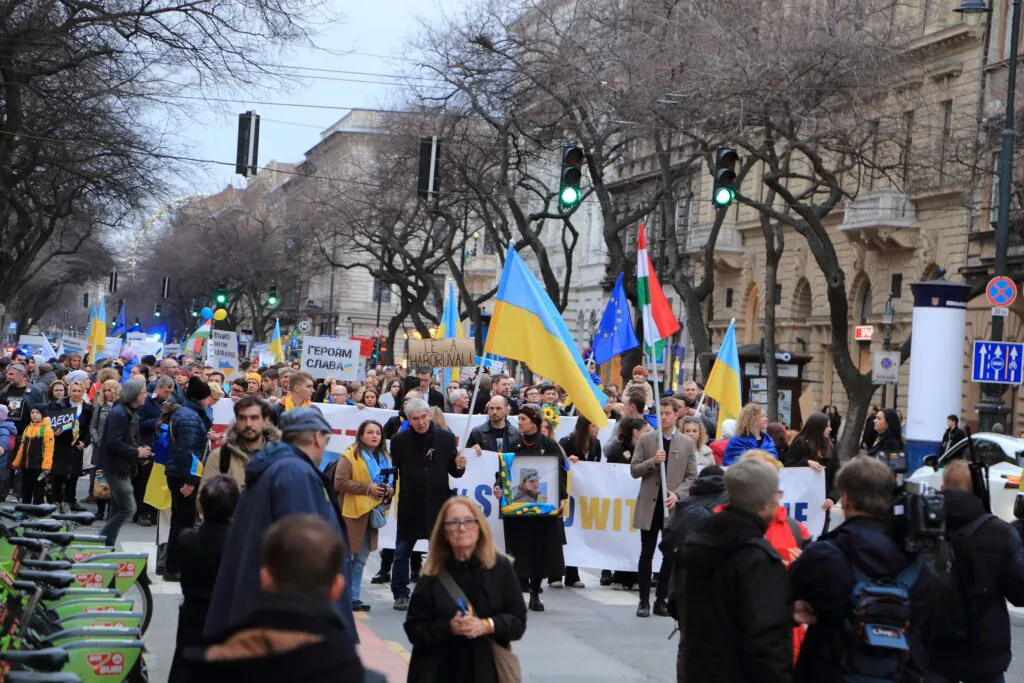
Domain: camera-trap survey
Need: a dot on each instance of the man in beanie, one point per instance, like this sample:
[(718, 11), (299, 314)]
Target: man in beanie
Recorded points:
[(738, 613), (189, 439), (282, 479)]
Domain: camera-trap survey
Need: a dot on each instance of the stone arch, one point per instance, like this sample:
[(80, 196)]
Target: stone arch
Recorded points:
[(803, 301), (930, 272), (751, 311), (861, 299)]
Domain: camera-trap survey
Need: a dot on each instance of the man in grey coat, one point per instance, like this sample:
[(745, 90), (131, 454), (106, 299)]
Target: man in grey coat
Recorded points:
[(674, 449)]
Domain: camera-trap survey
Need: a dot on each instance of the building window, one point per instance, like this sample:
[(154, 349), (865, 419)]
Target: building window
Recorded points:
[(490, 248), (728, 297), (865, 304), (897, 285), (947, 135), (436, 290), (381, 292), (778, 294)]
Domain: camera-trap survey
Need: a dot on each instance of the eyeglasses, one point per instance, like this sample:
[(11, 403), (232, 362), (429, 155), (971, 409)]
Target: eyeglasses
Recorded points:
[(468, 523)]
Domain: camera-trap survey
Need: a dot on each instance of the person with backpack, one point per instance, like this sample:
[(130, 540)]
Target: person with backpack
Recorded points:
[(252, 431), (972, 642), (860, 563)]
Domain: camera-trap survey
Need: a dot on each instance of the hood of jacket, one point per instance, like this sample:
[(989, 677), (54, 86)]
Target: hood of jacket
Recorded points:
[(962, 507), (713, 485), (232, 444), (723, 536), (263, 459)]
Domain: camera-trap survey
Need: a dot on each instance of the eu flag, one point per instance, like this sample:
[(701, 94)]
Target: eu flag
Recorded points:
[(615, 333)]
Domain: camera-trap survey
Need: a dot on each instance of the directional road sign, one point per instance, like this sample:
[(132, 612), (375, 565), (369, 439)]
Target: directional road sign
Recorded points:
[(997, 362), (1001, 291)]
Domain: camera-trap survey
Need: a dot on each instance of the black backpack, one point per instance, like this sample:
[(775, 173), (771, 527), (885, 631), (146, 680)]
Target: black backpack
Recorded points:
[(959, 597)]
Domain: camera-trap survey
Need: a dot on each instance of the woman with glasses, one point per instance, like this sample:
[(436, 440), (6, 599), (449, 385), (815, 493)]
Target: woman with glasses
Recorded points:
[(467, 607)]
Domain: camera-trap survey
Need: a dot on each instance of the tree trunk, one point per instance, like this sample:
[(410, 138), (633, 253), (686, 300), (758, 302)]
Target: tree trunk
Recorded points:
[(856, 414)]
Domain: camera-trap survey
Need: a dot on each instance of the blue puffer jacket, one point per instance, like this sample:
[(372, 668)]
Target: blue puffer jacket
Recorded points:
[(738, 445), (280, 480), (189, 428), (8, 433)]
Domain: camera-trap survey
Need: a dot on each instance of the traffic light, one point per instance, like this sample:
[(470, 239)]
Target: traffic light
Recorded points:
[(157, 312), (569, 193), (195, 313), (221, 295), (272, 297), (724, 190)]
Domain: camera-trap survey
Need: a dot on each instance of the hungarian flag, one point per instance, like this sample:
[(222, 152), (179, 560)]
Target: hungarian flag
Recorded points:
[(659, 321), (194, 344)]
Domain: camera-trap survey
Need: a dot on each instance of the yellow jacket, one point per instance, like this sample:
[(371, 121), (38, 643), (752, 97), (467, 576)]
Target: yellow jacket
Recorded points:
[(34, 432)]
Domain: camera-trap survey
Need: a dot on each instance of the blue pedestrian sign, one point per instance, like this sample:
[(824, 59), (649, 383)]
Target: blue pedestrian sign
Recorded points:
[(997, 362)]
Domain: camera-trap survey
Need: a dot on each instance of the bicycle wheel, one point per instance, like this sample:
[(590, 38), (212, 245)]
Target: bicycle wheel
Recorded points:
[(142, 600)]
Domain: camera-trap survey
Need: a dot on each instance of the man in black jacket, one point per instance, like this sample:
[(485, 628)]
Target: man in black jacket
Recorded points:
[(739, 625), (120, 454), (294, 632), (823, 576), (953, 434), (433, 397), (424, 456), (990, 567)]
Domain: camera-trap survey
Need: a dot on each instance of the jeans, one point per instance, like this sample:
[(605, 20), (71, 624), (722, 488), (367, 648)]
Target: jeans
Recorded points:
[(121, 493), (648, 544), (183, 516), (359, 563), (400, 568)]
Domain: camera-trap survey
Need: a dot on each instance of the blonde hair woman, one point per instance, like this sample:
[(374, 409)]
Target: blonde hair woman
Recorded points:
[(105, 399), (437, 417), (750, 434), (467, 607), (362, 489), (693, 427)]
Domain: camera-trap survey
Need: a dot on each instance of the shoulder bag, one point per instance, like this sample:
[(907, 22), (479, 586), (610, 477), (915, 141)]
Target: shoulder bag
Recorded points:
[(506, 662)]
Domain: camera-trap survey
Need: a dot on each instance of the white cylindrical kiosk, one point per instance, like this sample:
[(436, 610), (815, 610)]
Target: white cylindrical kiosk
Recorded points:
[(936, 364)]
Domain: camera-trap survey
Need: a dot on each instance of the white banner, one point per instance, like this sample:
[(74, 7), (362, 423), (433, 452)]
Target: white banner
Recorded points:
[(112, 350), (599, 530), (222, 351), (172, 350), (325, 357), (38, 345), (143, 345), (75, 345)]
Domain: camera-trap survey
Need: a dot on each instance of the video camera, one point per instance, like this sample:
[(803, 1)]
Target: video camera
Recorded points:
[(918, 513)]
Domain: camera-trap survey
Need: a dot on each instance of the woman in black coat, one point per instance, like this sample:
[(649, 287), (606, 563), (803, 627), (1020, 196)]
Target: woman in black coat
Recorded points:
[(467, 603), (889, 437), (64, 451), (201, 550), (536, 542), (582, 444), (812, 447)]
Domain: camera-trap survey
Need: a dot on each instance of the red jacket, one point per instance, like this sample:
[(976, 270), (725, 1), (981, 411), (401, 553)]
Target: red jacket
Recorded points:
[(718, 448)]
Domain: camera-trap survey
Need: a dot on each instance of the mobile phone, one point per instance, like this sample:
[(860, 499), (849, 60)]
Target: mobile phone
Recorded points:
[(461, 605)]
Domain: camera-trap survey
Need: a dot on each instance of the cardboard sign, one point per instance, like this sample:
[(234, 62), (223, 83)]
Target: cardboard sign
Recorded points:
[(222, 351), (62, 421), (335, 358), (442, 353)]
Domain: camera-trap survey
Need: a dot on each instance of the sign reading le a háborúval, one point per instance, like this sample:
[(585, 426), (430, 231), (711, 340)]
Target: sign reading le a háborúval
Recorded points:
[(335, 358), (442, 353)]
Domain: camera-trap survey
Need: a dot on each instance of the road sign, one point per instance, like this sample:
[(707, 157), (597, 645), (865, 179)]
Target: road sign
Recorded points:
[(1001, 291), (997, 362), (863, 332), (1000, 312), (885, 367), (304, 326), (376, 332)]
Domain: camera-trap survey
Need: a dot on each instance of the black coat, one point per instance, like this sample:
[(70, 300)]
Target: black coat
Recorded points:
[(615, 452), (593, 454), (800, 454), (65, 455), (886, 443), (691, 515), (437, 655), (739, 626), (997, 567), (536, 542), (424, 463), (119, 443), (950, 438), (200, 550), (262, 648), (823, 576)]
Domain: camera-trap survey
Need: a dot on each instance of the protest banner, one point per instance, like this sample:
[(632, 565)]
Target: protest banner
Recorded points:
[(112, 350), (143, 345), (38, 345), (222, 351), (441, 353), (256, 348), (171, 350), (324, 357), (74, 345), (62, 420), (602, 496)]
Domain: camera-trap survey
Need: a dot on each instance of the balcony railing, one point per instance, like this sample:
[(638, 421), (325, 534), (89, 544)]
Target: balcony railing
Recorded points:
[(876, 219), (728, 238)]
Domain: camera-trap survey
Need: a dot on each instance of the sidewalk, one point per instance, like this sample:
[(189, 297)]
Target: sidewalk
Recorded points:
[(389, 657)]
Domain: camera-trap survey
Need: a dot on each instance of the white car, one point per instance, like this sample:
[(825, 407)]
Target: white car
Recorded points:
[(1003, 455)]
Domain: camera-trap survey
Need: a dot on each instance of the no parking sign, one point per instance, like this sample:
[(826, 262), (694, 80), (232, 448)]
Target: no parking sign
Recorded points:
[(885, 367)]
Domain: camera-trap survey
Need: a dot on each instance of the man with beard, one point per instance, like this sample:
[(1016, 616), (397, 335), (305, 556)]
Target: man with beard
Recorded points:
[(250, 433)]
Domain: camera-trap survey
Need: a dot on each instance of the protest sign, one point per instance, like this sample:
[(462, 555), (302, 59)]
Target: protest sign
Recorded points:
[(441, 353), (266, 359), (38, 345), (73, 345), (171, 350), (325, 357), (62, 420), (112, 350), (222, 351), (143, 345)]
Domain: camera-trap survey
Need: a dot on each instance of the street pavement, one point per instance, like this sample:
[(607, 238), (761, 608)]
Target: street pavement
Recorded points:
[(584, 636)]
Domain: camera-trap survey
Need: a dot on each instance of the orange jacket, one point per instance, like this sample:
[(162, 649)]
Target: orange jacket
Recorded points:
[(36, 430)]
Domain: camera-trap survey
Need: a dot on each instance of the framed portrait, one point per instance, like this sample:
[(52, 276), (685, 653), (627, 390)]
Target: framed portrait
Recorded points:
[(529, 485)]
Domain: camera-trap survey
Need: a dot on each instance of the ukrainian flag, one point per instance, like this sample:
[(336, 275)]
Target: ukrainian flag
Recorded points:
[(450, 328), (526, 326), (98, 331), (276, 347), (158, 494), (724, 381)]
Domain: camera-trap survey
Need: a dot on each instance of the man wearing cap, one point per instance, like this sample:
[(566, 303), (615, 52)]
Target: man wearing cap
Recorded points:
[(189, 442), (282, 479)]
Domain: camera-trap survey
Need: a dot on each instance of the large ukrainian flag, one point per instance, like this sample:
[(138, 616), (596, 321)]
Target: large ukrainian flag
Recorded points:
[(723, 383), (526, 326)]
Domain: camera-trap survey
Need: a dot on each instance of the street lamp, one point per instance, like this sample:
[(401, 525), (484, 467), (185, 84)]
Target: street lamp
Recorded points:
[(991, 409), (888, 315)]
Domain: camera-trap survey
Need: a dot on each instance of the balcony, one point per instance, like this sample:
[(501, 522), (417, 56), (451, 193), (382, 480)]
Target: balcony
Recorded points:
[(883, 220), (729, 250)]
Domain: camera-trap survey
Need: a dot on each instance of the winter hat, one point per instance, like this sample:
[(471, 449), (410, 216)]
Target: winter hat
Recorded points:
[(3, 412), (254, 376), (728, 429), (77, 376), (148, 360), (197, 390)]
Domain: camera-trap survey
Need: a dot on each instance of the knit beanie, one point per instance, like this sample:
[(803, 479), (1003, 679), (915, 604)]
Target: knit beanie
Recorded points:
[(197, 390)]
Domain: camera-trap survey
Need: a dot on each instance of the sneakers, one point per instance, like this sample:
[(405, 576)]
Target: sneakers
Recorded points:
[(557, 583), (144, 521), (402, 604), (576, 584), (606, 578), (644, 610), (381, 578), (535, 604), (661, 608), (360, 606)]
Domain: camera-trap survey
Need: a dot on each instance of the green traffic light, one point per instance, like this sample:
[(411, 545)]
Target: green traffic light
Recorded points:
[(570, 195), (222, 298), (723, 196), (272, 300), (195, 314), (157, 314)]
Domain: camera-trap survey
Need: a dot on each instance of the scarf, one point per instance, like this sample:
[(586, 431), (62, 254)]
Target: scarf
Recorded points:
[(289, 404), (355, 506)]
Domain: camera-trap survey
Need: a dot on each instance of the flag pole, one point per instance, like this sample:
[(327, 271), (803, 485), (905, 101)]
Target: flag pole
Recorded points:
[(657, 408), (472, 401)]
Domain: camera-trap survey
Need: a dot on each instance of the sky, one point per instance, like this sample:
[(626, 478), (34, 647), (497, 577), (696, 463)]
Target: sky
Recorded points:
[(370, 38)]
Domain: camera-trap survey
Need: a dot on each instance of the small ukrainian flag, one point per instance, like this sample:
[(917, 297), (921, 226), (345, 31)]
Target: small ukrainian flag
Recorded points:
[(197, 467)]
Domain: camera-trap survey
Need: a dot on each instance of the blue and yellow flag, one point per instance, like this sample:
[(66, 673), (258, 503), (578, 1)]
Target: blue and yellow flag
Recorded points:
[(98, 331), (276, 347), (724, 381), (450, 328), (196, 470), (526, 326)]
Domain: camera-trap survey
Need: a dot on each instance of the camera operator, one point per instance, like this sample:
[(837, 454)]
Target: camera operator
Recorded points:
[(859, 551), (988, 570)]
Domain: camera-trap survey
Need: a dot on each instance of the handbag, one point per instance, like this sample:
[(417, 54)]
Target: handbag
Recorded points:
[(506, 662), (378, 517)]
